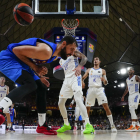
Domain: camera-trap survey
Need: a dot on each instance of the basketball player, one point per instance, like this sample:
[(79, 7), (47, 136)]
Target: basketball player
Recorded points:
[(96, 77), (72, 86), (20, 63), (78, 116), (4, 90), (12, 115), (132, 86)]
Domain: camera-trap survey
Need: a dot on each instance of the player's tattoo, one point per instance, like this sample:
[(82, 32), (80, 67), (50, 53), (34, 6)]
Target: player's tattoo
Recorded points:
[(82, 57)]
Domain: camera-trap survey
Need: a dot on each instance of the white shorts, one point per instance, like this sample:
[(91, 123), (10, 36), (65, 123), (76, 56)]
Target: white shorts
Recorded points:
[(94, 93), (133, 100), (70, 86)]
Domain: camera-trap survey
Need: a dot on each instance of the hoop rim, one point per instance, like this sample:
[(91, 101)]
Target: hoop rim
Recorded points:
[(70, 28)]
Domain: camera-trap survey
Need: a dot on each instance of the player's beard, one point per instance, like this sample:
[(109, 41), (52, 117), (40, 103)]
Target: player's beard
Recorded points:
[(63, 54)]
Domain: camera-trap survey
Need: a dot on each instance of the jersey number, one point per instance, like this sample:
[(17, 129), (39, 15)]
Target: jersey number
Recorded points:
[(1, 95), (66, 66), (94, 80)]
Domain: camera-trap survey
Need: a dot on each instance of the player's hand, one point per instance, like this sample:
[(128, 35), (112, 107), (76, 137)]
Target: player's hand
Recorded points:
[(78, 70), (102, 79), (40, 70), (45, 81), (83, 85), (122, 99)]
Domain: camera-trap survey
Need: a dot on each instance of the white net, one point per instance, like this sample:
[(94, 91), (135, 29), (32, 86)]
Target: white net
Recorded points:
[(69, 26)]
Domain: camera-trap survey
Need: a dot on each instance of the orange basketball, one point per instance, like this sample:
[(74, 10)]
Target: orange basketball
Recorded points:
[(23, 14)]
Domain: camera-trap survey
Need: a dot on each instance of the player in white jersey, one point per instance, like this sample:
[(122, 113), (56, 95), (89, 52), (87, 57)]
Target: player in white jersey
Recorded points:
[(78, 115), (132, 86), (96, 77), (72, 85), (4, 90)]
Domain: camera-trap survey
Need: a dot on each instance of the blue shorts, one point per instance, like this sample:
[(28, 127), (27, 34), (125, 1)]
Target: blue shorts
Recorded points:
[(12, 118), (12, 67), (80, 118)]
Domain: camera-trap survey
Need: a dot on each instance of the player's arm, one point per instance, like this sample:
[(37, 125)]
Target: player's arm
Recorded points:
[(15, 113), (125, 92), (7, 90), (104, 78), (42, 52), (137, 78), (82, 63), (82, 57), (86, 74)]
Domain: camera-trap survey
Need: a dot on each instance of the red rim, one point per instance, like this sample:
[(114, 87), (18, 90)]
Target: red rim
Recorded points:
[(70, 28)]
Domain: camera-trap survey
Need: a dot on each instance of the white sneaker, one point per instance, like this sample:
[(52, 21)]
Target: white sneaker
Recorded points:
[(113, 128)]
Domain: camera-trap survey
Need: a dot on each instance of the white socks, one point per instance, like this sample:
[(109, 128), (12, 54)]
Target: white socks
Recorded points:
[(134, 123), (41, 118), (110, 120), (5, 103), (66, 121)]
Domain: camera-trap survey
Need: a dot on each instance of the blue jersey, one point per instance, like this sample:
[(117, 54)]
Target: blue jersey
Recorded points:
[(11, 66), (11, 112), (32, 42)]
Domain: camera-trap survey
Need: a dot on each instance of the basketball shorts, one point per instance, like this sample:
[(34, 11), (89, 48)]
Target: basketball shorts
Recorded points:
[(70, 86), (12, 67), (94, 93), (133, 100), (12, 118)]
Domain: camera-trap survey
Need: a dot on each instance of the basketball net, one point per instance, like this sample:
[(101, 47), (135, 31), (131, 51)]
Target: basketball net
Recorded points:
[(69, 26)]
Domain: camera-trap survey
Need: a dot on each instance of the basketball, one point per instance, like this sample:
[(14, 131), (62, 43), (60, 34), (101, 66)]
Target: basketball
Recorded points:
[(23, 14)]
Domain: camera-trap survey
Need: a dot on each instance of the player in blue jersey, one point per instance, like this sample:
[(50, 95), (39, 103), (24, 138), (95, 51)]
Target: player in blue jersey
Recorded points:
[(12, 115), (20, 63)]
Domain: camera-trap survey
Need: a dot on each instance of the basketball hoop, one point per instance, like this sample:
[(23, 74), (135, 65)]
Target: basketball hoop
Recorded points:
[(69, 26)]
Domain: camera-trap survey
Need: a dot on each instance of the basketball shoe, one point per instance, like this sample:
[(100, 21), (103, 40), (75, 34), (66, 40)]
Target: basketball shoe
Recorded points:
[(45, 130), (89, 129), (131, 128), (75, 128), (64, 128), (113, 128), (138, 127)]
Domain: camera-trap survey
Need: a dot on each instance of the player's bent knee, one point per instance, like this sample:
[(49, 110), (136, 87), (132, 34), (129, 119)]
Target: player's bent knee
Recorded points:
[(133, 113)]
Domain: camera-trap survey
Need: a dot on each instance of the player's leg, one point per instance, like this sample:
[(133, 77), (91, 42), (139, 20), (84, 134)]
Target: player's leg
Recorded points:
[(77, 114), (88, 110), (63, 111), (102, 100), (8, 120), (77, 90), (41, 109), (133, 101), (65, 93)]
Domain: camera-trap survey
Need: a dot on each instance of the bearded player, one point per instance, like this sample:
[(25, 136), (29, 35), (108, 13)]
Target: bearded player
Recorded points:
[(20, 63), (72, 85), (4, 90), (132, 86), (95, 90)]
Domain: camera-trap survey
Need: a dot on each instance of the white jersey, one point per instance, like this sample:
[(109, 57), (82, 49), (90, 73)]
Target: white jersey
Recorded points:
[(69, 65), (3, 92), (95, 77), (133, 85)]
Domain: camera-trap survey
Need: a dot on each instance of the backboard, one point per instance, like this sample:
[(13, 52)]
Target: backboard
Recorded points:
[(71, 9)]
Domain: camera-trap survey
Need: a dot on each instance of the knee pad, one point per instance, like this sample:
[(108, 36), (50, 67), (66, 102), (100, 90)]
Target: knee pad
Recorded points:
[(133, 113)]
